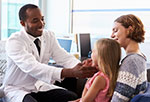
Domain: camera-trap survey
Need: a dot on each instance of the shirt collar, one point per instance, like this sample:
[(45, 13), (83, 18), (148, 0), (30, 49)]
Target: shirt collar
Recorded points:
[(30, 36), (33, 38)]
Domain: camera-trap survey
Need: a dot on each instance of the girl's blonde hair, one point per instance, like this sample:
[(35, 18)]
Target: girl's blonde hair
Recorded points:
[(108, 58)]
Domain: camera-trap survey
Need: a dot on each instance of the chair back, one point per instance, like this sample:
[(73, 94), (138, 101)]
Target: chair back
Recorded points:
[(145, 97)]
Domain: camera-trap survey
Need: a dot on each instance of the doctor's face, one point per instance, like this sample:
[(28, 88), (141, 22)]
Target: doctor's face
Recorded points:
[(34, 23)]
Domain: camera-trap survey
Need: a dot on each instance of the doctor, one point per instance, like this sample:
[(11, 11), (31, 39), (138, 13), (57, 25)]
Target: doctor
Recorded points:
[(28, 77)]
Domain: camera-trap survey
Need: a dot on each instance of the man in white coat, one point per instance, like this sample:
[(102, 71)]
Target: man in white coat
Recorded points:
[(28, 77)]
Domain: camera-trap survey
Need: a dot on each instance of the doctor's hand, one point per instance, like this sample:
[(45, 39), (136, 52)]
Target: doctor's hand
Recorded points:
[(81, 70), (87, 62)]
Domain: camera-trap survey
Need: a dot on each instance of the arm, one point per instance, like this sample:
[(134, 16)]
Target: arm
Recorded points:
[(59, 55), (77, 100), (131, 79), (123, 91), (72, 66), (23, 58), (79, 71), (85, 89), (97, 85)]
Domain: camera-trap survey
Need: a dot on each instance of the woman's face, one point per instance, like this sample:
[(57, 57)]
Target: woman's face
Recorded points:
[(119, 33)]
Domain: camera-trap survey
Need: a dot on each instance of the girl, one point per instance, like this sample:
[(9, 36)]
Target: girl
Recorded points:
[(106, 56)]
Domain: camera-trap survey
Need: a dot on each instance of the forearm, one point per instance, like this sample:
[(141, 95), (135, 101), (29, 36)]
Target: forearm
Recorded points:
[(84, 91), (79, 71), (119, 98), (67, 73), (125, 87)]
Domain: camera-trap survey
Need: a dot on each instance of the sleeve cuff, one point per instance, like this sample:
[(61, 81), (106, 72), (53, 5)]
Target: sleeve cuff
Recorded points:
[(57, 74)]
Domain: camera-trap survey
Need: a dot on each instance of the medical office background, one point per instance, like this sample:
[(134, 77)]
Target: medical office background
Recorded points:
[(69, 17)]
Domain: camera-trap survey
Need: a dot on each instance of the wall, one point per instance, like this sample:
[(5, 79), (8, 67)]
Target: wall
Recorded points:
[(0, 18), (58, 17)]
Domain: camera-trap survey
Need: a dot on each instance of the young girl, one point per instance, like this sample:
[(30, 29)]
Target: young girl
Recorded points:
[(106, 56)]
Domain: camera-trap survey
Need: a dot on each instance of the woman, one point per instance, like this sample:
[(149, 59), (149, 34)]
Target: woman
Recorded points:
[(128, 31)]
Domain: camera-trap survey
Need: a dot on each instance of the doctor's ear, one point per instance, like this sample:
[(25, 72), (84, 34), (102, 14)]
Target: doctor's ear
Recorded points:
[(22, 23)]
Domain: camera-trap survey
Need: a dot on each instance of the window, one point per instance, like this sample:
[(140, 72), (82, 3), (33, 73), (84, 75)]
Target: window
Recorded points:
[(97, 16), (57, 16), (9, 16)]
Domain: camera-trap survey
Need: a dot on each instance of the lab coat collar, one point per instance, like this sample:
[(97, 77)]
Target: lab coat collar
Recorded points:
[(30, 40)]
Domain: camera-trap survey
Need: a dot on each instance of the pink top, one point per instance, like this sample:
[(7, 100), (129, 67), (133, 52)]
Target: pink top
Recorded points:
[(101, 96)]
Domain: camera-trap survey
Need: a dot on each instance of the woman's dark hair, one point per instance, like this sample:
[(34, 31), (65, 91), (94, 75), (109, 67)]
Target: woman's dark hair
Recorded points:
[(22, 11), (137, 33)]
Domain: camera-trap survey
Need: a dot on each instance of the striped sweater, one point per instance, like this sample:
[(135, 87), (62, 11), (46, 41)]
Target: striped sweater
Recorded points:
[(131, 78)]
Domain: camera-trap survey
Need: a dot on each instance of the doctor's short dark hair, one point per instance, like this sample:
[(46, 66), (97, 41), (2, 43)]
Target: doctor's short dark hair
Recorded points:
[(23, 9)]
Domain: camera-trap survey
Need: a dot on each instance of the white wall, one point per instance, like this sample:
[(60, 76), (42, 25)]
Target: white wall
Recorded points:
[(0, 18), (145, 48), (57, 16)]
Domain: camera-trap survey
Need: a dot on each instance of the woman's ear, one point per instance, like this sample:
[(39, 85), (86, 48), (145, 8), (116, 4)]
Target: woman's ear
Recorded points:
[(22, 23), (130, 30)]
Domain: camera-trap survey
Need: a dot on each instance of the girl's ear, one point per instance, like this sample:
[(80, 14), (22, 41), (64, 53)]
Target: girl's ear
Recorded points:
[(22, 23)]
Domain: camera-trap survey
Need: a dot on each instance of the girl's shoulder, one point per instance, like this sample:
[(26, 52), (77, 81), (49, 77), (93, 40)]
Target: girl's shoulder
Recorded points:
[(103, 77), (104, 80), (100, 81), (101, 74)]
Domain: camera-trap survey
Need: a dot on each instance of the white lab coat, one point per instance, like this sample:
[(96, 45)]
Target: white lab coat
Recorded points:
[(27, 71)]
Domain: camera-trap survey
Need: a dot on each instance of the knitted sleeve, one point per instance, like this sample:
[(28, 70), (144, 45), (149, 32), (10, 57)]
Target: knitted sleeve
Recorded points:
[(131, 79)]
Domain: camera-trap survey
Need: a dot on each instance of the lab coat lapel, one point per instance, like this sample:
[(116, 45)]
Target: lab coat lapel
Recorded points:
[(43, 46), (34, 50), (31, 46)]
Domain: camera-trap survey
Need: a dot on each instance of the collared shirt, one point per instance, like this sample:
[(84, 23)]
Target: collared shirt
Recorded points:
[(33, 38)]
